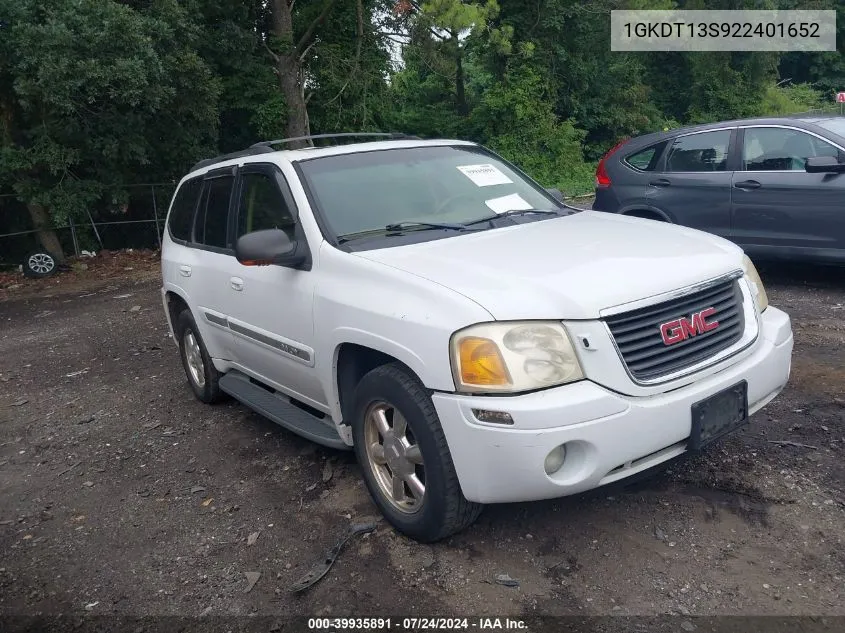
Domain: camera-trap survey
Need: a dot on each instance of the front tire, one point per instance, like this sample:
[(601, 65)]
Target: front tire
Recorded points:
[(405, 459), (203, 378)]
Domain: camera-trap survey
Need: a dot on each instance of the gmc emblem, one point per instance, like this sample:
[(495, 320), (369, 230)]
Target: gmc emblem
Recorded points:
[(683, 328)]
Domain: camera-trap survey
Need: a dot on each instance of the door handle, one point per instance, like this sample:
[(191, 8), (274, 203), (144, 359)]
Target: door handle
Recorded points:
[(660, 182), (237, 283), (185, 270), (747, 184)]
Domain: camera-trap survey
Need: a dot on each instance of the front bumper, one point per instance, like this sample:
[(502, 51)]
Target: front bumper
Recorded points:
[(608, 436)]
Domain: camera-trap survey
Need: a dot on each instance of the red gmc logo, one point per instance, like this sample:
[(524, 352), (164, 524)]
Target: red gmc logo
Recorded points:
[(683, 328)]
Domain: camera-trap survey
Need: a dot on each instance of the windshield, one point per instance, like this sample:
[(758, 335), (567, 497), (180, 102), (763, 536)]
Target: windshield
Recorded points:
[(369, 191), (837, 126)]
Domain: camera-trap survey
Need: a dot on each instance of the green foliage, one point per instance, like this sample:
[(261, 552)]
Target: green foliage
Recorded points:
[(791, 99), (516, 117), (99, 94), (95, 93)]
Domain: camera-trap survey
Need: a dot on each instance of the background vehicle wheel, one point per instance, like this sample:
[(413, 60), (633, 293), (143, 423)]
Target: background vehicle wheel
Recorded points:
[(202, 376), (403, 454), (40, 264)]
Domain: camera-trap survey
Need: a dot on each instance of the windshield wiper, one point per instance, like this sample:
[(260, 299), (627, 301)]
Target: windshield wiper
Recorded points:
[(398, 226), (513, 212)]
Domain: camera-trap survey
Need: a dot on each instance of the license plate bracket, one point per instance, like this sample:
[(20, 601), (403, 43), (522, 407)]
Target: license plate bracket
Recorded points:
[(718, 415)]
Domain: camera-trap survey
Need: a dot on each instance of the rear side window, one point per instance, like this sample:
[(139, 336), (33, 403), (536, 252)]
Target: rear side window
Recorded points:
[(707, 151), (646, 159), (182, 211), (212, 225)]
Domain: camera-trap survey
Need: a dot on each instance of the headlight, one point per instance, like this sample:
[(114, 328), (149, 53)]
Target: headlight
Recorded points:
[(512, 357), (757, 288)]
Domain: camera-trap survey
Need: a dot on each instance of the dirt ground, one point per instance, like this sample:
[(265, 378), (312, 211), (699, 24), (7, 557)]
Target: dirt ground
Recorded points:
[(121, 494)]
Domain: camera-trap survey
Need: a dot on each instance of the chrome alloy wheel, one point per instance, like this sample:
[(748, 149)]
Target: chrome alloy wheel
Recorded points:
[(193, 355), (41, 263), (394, 457)]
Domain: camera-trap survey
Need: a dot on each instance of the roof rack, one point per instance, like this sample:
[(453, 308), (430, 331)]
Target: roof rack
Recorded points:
[(390, 135), (264, 147)]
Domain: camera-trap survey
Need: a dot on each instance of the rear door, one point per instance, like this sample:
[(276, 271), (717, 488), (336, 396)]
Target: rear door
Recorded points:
[(780, 209), (693, 185), (213, 262)]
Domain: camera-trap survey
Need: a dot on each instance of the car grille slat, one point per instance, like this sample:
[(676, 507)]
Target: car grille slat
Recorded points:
[(634, 323), (725, 321), (640, 343), (633, 332)]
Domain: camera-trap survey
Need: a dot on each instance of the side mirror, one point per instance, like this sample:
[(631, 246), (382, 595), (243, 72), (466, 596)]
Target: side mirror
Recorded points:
[(264, 248), (557, 194), (824, 165)]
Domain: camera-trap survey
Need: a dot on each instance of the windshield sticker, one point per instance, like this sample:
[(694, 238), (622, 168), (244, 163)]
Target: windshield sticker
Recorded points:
[(513, 202), (484, 175)]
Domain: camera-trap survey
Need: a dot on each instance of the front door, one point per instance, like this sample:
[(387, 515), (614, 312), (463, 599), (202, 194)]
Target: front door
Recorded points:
[(271, 308), (780, 209)]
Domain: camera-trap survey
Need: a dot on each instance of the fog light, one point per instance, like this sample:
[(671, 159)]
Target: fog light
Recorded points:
[(493, 417), (554, 460)]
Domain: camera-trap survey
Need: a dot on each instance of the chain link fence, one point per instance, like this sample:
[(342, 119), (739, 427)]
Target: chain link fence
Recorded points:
[(136, 224)]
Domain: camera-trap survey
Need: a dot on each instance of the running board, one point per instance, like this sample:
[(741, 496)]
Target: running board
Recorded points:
[(278, 408)]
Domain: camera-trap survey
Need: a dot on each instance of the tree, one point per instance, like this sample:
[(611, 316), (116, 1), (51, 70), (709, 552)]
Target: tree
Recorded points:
[(289, 49), (94, 93)]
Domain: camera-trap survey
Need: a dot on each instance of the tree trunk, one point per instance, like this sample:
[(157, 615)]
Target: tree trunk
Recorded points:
[(289, 64), (290, 79), (460, 88), (42, 223)]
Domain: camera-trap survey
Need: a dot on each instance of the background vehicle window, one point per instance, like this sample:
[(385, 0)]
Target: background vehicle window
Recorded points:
[(213, 230), (646, 159), (182, 211), (707, 151), (780, 149), (262, 206)]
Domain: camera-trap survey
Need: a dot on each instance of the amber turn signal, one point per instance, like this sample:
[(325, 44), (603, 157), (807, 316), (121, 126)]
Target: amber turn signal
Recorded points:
[(481, 363)]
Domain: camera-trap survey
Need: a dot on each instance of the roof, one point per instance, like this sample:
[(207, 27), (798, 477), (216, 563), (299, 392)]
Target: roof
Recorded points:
[(783, 120), (262, 152)]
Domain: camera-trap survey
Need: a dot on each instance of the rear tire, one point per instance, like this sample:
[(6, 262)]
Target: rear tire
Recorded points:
[(409, 456), (203, 378)]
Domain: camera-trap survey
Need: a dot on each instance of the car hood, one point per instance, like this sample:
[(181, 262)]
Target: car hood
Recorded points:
[(570, 267)]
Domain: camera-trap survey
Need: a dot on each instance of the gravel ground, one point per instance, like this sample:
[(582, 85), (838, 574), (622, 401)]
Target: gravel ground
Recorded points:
[(121, 494)]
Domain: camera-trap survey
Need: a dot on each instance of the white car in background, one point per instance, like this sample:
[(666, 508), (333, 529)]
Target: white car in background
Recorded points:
[(472, 338)]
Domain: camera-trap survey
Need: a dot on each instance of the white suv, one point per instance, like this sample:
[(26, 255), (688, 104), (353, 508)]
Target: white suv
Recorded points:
[(472, 337)]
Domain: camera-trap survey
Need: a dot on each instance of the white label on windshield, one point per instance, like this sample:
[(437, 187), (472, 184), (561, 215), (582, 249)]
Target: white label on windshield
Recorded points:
[(484, 175), (513, 202)]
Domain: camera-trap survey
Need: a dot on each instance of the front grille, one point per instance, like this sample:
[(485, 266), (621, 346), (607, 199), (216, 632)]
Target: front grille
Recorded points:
[(640, 342)]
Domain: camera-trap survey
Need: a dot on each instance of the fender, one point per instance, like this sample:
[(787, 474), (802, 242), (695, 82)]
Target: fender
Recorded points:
[(328, 373)]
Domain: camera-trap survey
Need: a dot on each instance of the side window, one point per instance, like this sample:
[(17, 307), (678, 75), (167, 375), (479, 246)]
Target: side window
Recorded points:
[(646, 159), (781, 149), (706, 151), (182, 210), (212, 230), (262, 206)]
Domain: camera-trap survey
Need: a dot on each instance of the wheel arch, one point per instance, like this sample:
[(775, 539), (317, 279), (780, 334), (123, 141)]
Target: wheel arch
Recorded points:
[(356, 354), (647, 212), (174, 303)]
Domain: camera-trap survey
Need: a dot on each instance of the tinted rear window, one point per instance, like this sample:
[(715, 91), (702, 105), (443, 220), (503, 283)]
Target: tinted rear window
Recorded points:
[(646, 159), (700, 152), (182, 211), (212, 232)]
